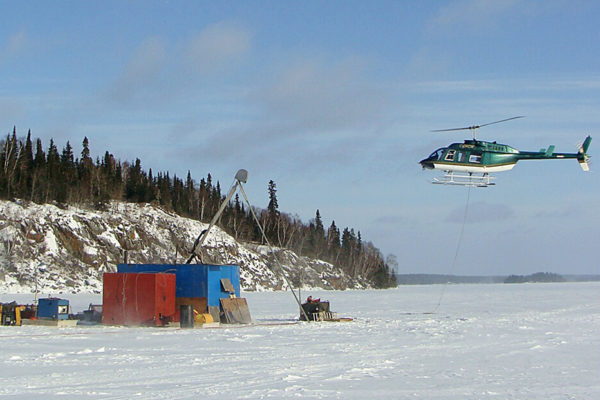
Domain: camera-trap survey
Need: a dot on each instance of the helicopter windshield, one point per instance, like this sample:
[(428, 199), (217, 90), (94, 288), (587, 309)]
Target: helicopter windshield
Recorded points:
[(437, 154)]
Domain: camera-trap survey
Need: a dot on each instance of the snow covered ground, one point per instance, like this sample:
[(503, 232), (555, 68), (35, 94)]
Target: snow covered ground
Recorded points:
[(527, 341)]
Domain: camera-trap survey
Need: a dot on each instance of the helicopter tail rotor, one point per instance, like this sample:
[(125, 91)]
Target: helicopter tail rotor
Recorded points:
[(582, 157)]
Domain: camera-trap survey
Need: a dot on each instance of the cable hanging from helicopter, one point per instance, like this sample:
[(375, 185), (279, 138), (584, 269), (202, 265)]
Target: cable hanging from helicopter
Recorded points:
[(470, 163)]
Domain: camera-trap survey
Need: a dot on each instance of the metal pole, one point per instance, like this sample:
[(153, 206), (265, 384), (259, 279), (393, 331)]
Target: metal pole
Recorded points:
[(36, 287), (240, 176), (204, 233), (273, 251)]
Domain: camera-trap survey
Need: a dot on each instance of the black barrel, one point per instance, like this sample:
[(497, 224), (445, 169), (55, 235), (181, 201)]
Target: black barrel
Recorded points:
[(186, 316)]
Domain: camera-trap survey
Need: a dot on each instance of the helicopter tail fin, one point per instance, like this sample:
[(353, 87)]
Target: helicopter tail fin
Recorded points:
[(583, 157), (586, 144), (550, 150)]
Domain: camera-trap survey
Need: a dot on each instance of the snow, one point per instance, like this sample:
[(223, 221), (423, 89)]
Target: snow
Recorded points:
[(497, 341), (50, 241), (73, 239)]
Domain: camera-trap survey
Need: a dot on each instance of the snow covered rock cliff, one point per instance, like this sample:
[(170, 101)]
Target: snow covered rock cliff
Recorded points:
[(68, 249)]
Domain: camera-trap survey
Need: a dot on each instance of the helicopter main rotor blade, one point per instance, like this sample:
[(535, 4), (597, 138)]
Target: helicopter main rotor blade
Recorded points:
[(476, 126), (456, 129), (502, 120)]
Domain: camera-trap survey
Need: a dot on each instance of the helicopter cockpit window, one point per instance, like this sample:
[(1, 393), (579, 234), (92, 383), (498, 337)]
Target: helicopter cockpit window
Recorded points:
[(475, 158), (437, 155), (450, 155)]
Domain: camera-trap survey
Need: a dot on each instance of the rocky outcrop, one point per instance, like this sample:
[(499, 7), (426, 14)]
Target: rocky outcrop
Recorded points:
[(67, 249)]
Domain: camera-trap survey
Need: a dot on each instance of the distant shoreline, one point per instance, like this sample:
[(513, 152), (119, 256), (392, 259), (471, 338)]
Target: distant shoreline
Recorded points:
[(432, 279)]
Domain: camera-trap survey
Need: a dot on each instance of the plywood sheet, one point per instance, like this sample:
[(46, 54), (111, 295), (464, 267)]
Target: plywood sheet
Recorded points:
[(236, 311)]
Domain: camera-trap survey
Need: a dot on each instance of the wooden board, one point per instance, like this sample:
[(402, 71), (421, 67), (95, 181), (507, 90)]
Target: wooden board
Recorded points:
[(227, 286), (235, 311)]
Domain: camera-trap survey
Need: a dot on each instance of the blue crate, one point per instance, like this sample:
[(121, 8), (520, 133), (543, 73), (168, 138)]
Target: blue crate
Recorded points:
[(194, 280), (53, 308)]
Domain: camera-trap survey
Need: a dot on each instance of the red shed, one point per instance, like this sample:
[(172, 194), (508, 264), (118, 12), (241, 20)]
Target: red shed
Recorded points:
[(138, 299)]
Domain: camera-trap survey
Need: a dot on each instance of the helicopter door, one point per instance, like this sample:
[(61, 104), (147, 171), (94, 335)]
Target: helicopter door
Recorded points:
[(475, 158)]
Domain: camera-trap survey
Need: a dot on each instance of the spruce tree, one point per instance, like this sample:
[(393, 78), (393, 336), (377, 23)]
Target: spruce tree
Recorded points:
[(39, 178), (319, 230), (273, 206), (26, 168), (333, 241), (54, 181), (86, 171), (271, 219), (68, 174)]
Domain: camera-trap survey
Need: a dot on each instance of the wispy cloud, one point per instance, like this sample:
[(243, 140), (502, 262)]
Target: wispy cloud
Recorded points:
[(470, 14), (141, 71), (455, 20), (505, 85), (16, 43), (216, 47), (312, 96), (312, 114), (158, 69)]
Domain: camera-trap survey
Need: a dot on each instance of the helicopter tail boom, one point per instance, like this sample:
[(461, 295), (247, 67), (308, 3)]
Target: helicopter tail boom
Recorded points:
[(549, 154)]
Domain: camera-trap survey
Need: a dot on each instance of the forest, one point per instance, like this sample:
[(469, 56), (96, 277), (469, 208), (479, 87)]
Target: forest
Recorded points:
[(537, 277), (47, 175)]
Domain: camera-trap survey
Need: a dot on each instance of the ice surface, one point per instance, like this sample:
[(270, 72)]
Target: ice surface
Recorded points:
[(528, 341)]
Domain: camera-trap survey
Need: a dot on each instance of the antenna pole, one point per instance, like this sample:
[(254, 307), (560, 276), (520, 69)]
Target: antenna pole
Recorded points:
[(273, 252), (241, 176)]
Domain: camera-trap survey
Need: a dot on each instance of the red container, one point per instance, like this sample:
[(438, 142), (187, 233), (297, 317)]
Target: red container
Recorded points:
[(138, 299)]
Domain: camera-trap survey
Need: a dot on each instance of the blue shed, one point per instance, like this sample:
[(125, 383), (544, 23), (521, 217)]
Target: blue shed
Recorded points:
[(53, 308), (195, 280)]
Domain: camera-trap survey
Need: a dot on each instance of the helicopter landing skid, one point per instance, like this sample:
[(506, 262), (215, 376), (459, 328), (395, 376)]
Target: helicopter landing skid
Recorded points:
[(450, 178)]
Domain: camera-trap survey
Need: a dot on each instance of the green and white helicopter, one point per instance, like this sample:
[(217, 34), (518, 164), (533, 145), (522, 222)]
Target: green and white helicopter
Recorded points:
[(470, 163)]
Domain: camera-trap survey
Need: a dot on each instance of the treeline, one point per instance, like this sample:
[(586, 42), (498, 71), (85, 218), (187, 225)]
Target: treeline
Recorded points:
[(537, 277), (432, 279), (46, 175)]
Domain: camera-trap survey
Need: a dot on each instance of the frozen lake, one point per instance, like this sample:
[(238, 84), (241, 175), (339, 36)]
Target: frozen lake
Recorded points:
[(525, 341)]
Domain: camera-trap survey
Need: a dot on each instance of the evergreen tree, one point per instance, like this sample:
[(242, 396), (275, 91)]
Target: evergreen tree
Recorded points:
[(85, 170), (271, 219), (333, 241), (319, 230), (68, 173), (50, 176), (273, 206), (26, 168), (55, 185), (38, 181), (190, 191)]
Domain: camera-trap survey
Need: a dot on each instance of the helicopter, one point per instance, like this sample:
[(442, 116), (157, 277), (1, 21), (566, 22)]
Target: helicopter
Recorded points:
[(470, 163)]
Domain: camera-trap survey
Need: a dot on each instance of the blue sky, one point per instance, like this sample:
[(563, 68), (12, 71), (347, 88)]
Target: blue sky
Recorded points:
[(335, 102)]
